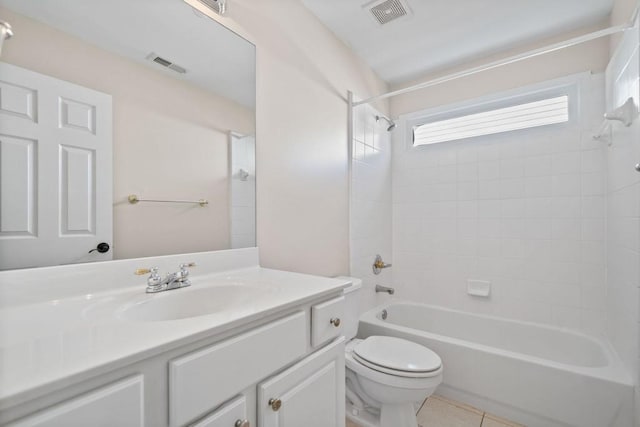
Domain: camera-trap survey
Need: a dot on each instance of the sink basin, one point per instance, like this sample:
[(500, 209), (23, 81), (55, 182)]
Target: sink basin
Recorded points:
[(189, 302)]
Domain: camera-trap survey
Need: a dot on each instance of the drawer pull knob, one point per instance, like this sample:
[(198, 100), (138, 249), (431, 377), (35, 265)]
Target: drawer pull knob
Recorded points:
[(335, 321), (275, 404), (242, 423)]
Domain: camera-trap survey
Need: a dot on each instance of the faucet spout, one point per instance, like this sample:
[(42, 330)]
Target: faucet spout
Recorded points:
[(380, 288)]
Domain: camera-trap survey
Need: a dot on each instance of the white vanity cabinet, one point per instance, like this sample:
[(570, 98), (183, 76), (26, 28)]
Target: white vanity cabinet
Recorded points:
[(229, 379)]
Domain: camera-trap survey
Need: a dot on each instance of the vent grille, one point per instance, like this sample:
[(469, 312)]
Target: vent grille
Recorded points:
[(218, 6), (166, 63), (161, 61), (387, 11)]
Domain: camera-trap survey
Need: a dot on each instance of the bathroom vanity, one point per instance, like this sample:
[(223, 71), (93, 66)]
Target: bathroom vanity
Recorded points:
[(243, 346)]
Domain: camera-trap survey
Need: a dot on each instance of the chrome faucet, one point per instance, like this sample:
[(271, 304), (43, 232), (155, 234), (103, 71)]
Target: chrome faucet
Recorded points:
[(155, 282)]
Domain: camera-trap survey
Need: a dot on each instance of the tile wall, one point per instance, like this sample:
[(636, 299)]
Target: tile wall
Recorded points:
[(370, 202), (623, 210), (243, 191), (524, 210)]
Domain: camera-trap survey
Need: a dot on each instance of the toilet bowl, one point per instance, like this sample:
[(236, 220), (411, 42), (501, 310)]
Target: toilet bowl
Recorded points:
[(387, 378)]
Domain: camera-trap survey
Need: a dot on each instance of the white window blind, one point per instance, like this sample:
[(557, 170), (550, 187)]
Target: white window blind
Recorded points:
[(522, 116)]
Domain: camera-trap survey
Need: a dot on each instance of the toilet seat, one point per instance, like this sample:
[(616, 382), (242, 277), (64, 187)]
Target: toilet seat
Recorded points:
[(396, 373), (398, 357), (391, 379)]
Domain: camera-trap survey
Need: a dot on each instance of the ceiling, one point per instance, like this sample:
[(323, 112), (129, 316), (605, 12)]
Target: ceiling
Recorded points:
[(438, 34), (215, 58)]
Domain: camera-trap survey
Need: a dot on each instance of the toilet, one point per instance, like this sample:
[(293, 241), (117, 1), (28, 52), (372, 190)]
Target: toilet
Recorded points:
[(387, 378)]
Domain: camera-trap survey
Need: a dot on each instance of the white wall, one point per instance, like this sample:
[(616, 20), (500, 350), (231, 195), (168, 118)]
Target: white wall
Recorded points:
[(620, 15), (592, 56), (623, 210), (149, 135), (370, 203), (304, 73), (524, 210)]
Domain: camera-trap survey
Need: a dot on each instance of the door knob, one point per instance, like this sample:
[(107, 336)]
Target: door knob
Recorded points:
[(242, 423), (275, 404), (101, 248), (335, 321)]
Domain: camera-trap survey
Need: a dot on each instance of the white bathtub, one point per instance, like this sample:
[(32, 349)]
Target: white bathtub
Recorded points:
[(530, 373)]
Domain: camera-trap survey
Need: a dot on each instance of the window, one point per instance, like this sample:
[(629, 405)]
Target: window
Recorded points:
[(555, 102), (522, 116)]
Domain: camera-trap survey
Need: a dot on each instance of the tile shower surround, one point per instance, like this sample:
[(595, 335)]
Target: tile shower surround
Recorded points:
[(623, 211), (370, 202), (524, 210)]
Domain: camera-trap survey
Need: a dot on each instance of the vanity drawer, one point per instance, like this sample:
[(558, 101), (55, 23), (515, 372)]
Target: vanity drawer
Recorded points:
[(202, 380), (227, 416), (326, 320)]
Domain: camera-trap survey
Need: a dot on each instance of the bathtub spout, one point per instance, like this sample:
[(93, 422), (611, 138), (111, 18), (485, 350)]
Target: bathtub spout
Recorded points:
[(380, 288)]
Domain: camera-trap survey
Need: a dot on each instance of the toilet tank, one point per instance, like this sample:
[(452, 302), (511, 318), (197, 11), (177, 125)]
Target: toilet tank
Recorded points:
[(352, 297)]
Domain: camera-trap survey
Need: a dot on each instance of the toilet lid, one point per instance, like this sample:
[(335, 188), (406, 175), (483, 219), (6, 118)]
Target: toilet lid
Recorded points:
[(397, 354)]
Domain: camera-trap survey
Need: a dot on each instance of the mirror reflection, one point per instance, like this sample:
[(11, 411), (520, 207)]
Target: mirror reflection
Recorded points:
[(127, 140)]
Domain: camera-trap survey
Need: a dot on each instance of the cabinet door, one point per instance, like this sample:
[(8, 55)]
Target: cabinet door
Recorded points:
[(119, 404), (310, 393), (232, 414)]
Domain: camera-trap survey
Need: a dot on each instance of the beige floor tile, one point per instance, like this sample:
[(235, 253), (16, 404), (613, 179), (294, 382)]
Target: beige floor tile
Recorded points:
[(495, 421), (458, 404), (351, 424), (438, 412)]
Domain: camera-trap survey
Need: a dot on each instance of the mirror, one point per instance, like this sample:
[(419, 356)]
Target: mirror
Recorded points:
[(127, 129)]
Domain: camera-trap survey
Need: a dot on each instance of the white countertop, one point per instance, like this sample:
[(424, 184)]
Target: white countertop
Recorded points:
[(52, 343)]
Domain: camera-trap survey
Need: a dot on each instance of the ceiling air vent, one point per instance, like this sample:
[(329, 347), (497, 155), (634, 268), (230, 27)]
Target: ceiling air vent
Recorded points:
[(218, 6), (387, 11), (165, 63)]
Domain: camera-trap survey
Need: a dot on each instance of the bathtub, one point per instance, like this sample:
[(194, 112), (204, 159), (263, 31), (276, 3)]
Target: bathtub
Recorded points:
[(529, 373)]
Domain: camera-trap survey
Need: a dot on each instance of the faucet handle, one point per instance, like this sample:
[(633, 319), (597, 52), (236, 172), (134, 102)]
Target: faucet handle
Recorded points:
[(141, 271), (379, 264), (184, 272), (154, 279)]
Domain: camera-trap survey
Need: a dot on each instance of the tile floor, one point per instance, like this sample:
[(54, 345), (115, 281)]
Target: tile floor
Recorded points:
[(440, 412)]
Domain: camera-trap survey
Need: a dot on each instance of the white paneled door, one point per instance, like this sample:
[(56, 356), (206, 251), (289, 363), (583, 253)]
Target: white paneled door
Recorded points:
[(55, 170)]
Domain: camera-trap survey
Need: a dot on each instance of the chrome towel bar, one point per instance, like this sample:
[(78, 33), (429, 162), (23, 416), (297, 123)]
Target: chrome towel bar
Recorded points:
[(133, 199)]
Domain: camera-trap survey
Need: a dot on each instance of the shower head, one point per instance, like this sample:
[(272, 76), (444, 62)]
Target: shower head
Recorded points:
[(392, 124)]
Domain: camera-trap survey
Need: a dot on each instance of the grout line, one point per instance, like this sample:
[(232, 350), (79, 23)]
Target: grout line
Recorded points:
[(424, 402), (459, 405), (482, 420)]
